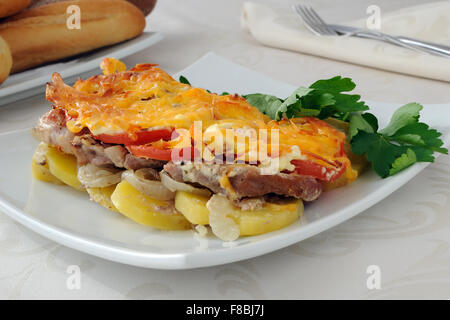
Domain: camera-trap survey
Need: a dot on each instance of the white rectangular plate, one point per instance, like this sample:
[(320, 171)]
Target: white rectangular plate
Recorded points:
[(31, 82), (68, 217)]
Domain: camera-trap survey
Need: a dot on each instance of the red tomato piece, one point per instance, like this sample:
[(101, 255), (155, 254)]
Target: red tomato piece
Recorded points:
[(152, 152), (143, 137), (313, 169), (148, 151)]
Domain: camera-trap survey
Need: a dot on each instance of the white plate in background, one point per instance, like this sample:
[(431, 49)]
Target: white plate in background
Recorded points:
[(68, 217), (31, 82)]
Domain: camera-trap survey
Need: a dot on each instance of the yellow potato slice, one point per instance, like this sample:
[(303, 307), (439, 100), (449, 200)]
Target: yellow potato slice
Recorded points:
[(269, 218), (103, 196), (41, 172), (193, 207), (146, 210), (63, 166), (39, 165)]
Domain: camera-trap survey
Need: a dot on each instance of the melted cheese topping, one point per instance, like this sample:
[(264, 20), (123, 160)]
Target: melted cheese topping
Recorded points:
[(146, 97), (317, 141), (141, 98)]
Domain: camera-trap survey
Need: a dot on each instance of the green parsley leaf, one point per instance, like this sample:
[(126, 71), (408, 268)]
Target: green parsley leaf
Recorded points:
[(423, 154), (293, 105), (343, 102), (335, 84), (267, 104), (404, 161), (420, 134), (407, 114), (379, 151), (362, 122), (402, 143), (184, 80), (322, 99), (371, 119)]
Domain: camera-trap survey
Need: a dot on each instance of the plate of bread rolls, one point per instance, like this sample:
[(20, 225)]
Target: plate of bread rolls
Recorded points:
[(39, 37)]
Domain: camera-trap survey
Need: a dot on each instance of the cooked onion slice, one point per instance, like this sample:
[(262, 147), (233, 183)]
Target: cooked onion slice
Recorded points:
[(95, 177), (222, 226), (145, 181), (174, 185), (39, 154)]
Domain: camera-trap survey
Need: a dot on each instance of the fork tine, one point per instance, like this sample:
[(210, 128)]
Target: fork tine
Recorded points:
[(307, 21), (313, 21), (313, 12)]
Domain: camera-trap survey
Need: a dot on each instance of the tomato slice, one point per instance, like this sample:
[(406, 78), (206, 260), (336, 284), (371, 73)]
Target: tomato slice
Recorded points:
[(313, 169), (143, 137), (148, 151), (152, 152)]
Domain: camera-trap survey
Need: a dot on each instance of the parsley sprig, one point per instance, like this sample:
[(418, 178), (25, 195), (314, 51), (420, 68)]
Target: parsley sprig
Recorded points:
[(402, 143), (323, 99)]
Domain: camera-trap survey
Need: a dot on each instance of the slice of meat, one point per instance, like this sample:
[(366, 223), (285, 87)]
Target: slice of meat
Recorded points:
[(135, 163), (88, 150), (250, 182), (201, 174), (51, 129), (245, 180)]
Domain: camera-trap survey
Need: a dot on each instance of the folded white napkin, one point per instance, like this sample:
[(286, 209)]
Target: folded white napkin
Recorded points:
[(280, 28)]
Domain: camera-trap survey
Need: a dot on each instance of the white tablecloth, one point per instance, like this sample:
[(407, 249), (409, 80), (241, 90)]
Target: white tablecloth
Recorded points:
[(407, 235)]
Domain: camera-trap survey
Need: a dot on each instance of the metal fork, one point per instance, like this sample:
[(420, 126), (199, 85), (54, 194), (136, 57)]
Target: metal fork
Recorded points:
[(315, 24)]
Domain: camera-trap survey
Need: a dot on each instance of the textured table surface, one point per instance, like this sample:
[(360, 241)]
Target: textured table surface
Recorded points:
[(407, 235)]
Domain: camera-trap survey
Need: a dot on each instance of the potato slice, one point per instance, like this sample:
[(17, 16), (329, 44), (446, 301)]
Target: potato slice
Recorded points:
[(192, 206), (41, 172), (63, 166), (146, 210), (269, 218), (103, 196)]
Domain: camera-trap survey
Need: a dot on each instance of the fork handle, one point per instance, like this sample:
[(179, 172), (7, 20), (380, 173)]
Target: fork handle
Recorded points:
[(427, 45), (402, 42)]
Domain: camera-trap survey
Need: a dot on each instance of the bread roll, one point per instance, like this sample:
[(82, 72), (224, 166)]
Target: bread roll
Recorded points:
[(41, 35), (146, 6), (9, 7), (5, 60)]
